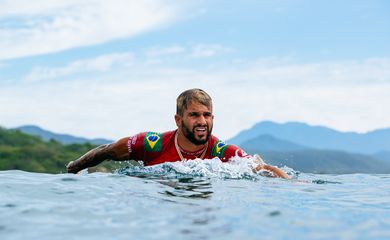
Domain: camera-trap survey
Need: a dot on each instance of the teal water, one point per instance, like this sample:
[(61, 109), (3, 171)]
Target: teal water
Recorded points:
[(193, 200)]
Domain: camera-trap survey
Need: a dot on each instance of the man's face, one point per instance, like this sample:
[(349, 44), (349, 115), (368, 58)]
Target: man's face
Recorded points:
[(196, 123)]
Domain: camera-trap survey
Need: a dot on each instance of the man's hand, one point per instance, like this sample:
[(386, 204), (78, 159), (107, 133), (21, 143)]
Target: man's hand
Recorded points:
[(71, 167), (274, 170)]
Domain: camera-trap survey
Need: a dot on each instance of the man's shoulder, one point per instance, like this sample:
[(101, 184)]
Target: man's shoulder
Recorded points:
[(153, 133), (159, 135), (153, 141), (223, 149), (216, 141), (218, 147)]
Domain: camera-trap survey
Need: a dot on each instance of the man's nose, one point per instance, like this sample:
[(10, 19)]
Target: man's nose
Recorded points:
[(202, 120)]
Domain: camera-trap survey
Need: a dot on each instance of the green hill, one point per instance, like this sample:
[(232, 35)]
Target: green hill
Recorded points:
[(30, 153), (62, 138)]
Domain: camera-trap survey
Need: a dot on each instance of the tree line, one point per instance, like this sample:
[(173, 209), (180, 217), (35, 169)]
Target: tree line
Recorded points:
[(19, 151)]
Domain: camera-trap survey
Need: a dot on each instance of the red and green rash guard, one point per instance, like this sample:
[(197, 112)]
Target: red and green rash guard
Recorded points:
[(154, 148)]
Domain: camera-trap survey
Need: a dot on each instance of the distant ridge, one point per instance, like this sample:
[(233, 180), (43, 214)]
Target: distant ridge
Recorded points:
[(326, 161), (269, 143), (383, 155), (319, 137), (62, 138), (317, 149)]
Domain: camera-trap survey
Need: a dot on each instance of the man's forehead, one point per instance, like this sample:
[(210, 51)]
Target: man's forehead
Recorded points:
[(196, 107)]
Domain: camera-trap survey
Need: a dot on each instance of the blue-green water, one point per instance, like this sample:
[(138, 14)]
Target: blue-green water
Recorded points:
[(193, 200)]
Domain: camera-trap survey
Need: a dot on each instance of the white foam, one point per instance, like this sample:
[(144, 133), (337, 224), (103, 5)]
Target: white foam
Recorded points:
[(236, 168)]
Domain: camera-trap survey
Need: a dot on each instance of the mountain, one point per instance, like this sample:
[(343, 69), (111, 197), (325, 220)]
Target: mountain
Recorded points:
[(325, 161), (302, 158), (62, 138), (269, 143), (382, 155), (319, 137)]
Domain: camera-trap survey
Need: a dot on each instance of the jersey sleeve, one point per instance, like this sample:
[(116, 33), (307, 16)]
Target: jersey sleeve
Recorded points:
[(135, 146), (226, 151), (233, 151)]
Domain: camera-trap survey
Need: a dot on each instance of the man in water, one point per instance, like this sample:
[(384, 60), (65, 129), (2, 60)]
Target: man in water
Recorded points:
[(192, 139)]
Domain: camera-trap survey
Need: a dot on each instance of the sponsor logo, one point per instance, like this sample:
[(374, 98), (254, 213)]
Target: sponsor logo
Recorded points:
[(241, 153), (134, 140), (131, 142), (129, 145)]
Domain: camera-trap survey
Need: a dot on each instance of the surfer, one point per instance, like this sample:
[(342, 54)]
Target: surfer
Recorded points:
[(192, 139)]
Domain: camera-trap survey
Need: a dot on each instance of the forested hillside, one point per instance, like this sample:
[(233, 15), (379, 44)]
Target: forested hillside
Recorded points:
[(30, 153)]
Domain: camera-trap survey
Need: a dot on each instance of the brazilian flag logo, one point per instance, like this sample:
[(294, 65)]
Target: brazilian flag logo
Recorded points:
[(153, 142), (219, 149)]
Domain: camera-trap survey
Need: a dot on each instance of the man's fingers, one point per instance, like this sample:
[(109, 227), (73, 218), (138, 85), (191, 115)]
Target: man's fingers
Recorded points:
[(70, 167), (259, 167), (259, 160), (69, 164)]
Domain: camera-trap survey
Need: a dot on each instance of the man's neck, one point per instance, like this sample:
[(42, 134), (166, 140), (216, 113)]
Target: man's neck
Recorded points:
[(186, 144)]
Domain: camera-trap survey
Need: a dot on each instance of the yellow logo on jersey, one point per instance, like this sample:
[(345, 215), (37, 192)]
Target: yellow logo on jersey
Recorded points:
[(219, 149), (153, 142)]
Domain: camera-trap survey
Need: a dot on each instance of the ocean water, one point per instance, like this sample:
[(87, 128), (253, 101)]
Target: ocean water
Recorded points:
[(200, 199)]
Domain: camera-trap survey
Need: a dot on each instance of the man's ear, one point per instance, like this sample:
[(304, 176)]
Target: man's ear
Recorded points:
[(178, 120)]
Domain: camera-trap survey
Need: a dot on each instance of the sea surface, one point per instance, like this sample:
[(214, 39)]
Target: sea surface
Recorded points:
[(199, 199)]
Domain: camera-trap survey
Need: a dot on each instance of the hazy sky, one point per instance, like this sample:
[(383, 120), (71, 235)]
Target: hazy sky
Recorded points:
[(114, 68)]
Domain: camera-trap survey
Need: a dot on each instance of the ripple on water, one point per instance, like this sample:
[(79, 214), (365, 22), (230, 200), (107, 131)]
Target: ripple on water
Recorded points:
[(320, 181), (10, 205), (69, 179), (274, 213), (188, 187)]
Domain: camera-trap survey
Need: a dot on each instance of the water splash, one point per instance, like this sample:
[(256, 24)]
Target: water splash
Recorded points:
[(236, 168)]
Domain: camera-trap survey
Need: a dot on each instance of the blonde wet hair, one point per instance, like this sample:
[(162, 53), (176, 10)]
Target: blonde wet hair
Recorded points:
[(194, 95)]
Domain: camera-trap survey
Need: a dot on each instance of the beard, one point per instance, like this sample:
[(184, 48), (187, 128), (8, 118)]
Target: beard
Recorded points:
[(190, 135)]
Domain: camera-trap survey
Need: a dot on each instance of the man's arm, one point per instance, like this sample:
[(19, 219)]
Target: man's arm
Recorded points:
[(232, 150), (115, 151), (274, 170)]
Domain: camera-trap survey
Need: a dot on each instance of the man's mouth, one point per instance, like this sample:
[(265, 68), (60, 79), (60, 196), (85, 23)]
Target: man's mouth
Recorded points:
[(200, 130)]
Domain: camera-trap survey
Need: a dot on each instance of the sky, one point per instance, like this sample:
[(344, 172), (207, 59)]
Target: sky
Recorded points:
[(111, 69)]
